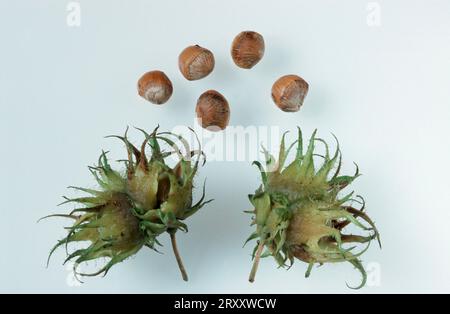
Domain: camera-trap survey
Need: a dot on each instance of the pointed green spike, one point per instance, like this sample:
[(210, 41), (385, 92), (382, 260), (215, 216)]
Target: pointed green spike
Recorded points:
[(308, 271), (299, 154), (282, 153), (89, 191), (102, 184), (307, 166), (58, 215), (360, 267), (250, 198), (346, 198), (60, 242), (253, 236), (74, 254), (103, 162), (93, 209), (322, 173), (82, 200), (261, 169), (153, 143)]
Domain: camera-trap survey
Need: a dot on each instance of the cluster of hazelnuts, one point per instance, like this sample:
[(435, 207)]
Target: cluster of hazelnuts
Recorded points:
[(213, 110)]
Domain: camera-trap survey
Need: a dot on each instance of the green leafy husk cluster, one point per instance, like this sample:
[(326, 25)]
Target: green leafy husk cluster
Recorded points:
[(299, 211), (130, 210)]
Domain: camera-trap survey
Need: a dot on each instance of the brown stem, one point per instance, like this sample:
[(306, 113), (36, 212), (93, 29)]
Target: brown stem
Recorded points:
[(178, 257), (256, 262)]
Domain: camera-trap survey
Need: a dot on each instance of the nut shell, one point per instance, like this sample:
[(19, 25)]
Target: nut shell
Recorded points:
[(247, 49), (213, 111), (289, 92), (155, 87), (196, 62)]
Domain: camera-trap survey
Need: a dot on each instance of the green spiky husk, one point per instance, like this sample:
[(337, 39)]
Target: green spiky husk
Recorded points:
[(299, 211), (130, 210)]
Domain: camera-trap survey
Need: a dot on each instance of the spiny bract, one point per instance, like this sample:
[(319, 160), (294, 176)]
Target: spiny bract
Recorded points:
[(130, 210), (299, 213)]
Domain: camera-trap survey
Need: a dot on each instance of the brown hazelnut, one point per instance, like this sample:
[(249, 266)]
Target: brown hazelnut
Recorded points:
[(247, 49), (213, 111), (155, 86), (196, 62), (289, 91)]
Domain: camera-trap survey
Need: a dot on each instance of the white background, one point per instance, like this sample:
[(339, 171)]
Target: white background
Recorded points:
[(383, 90)]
